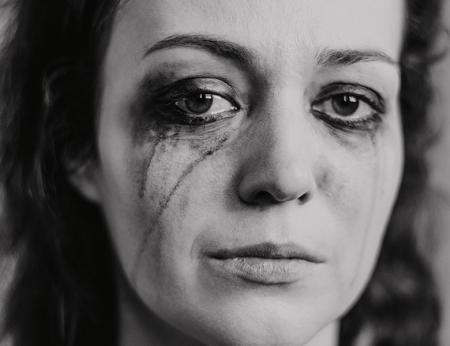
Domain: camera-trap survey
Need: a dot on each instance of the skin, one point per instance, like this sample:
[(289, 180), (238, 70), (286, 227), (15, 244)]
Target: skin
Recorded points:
[(269, 168)]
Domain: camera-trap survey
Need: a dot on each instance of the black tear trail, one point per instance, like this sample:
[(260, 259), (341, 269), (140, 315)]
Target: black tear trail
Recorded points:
[(164, 203), (146, 166)]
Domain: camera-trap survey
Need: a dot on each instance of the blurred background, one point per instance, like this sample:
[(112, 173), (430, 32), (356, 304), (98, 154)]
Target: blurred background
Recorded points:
[(438, 245), (440, 177)]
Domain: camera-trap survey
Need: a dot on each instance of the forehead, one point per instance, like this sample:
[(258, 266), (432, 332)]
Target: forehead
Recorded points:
[(269, 26)]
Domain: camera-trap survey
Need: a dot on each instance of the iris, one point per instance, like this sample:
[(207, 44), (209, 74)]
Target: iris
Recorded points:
[(345, 104)]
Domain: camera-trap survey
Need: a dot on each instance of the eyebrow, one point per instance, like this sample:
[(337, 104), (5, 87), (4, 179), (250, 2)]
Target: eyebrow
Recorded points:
[(222, 48), (245, 56), (331, 57)]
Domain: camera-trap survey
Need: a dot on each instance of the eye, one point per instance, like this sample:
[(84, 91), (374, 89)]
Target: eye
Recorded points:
[(204, 104), (349, 106), (344, 105)]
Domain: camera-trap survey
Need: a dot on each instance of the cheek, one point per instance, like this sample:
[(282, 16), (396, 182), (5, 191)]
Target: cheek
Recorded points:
[(169, 175), (361, 194)]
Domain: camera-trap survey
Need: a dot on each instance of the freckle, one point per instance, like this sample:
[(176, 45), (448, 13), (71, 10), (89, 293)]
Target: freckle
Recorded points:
[(165, 202)]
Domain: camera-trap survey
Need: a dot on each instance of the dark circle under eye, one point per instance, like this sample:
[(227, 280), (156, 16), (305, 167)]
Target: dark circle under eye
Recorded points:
[(345, 104), (199, 103)]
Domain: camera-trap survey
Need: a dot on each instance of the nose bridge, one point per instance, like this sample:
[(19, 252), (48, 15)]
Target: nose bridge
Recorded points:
[(288, 130), (282, 158)]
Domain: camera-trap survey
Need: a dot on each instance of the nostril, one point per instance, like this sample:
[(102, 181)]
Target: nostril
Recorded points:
[(263, 198), (304, 198), (267, 197)]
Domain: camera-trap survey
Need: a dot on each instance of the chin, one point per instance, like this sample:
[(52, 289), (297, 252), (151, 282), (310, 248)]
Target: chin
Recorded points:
[(275, 334), (263, 323)]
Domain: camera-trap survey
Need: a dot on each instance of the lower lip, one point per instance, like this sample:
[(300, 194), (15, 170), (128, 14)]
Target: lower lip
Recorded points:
[(263, 271)]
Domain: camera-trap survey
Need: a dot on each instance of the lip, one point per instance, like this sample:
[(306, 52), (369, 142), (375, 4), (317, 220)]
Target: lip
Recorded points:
[(264, 263)]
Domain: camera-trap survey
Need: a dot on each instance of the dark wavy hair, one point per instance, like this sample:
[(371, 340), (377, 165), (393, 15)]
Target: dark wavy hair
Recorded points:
[(64, 291)]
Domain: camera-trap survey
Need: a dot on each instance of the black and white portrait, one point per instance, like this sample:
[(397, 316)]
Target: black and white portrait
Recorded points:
[(224, 172)]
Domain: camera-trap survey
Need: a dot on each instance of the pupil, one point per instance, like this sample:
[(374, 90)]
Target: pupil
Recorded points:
[(199, 103), (345, 104)]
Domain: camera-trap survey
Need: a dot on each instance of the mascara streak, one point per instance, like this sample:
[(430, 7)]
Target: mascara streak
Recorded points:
[(146, 167), (163, 204)]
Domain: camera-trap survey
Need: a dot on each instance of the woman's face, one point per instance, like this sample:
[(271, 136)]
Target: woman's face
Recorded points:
[(249, 156)]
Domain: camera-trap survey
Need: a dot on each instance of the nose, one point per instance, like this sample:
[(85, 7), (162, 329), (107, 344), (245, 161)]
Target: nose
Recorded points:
[(278, 164)]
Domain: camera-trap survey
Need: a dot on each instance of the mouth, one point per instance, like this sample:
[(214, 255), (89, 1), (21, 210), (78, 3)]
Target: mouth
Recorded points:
[(265, 263)]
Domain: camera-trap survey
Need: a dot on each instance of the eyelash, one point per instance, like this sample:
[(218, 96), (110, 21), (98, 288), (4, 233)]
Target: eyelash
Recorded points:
[(172, 103)]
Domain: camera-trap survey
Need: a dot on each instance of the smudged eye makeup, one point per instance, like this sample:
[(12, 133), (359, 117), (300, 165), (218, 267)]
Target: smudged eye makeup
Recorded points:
[(349, 106), (195, 101), (199, 101)]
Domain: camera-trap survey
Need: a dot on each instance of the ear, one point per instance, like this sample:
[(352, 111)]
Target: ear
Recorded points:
[(85, 179)]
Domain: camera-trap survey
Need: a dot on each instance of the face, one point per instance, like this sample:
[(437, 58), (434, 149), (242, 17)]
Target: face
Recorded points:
[(249, 156)]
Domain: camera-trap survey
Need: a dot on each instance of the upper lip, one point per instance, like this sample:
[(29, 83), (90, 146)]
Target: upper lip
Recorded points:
[(268, 250)]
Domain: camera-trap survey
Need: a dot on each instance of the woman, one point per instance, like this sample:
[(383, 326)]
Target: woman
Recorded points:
[(218, 172)]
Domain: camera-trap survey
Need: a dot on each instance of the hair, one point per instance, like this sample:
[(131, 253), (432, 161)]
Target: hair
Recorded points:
[(64, 291)]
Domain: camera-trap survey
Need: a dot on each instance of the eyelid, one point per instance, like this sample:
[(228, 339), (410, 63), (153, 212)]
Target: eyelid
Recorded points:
[(179, 102), (163, 101), (210, 92), (369, 95), (198, 84)]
